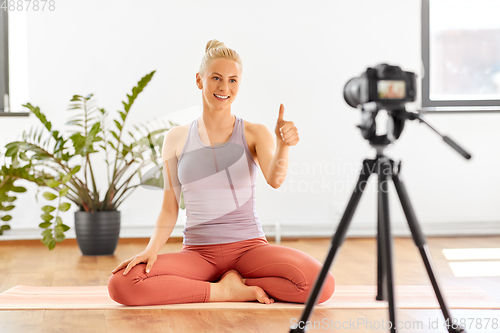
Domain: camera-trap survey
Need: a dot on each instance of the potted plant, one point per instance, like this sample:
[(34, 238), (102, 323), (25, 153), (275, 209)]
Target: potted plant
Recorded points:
[(97, 222)]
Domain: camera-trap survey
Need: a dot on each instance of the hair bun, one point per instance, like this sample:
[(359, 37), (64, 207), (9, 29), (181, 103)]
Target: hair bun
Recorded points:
[(214, 50), (214, 43)]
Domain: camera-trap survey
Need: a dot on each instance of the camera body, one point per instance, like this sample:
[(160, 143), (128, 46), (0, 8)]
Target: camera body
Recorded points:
[(388, 86)]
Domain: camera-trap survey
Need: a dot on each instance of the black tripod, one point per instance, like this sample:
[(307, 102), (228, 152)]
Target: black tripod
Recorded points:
[(385, 168)]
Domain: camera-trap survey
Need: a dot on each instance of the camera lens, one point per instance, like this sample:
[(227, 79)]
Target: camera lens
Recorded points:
[(352, 92)]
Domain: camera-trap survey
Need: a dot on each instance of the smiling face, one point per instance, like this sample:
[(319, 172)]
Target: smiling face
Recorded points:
[(220, 83)]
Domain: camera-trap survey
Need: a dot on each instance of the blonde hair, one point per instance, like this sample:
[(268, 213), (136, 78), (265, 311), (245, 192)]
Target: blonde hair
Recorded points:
[(215, 50)]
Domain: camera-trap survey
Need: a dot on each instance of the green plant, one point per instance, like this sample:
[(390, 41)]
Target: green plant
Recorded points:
[(29, 155), (7, 185)]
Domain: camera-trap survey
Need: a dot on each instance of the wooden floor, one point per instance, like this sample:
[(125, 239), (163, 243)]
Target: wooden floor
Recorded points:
[(30, 263)]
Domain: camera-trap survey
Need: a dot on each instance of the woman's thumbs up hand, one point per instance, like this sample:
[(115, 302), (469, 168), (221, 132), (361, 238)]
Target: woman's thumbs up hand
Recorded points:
[(285, 131)]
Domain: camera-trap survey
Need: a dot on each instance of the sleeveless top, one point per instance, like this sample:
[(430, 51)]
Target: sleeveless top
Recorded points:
[(218, 185)]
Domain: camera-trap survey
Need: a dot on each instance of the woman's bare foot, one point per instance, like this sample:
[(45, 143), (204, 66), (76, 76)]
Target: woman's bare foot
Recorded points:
[(231, 288)]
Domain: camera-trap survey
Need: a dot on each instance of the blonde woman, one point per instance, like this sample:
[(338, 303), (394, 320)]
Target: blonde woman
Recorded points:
[(225, 255)]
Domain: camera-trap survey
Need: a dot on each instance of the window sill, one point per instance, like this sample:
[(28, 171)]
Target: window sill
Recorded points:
[(460, 109), (14, 114)]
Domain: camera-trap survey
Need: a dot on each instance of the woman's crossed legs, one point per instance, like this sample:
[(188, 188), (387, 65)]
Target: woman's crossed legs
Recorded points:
[(285, 274)]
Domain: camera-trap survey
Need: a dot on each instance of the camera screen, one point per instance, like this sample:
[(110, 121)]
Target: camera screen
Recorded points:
[(391, 89)]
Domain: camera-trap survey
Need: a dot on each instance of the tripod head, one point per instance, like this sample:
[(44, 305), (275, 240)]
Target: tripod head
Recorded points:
[(368, 126), (397, 116)]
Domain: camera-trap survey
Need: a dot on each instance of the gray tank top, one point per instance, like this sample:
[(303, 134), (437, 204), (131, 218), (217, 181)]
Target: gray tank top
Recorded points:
[(218, 184)]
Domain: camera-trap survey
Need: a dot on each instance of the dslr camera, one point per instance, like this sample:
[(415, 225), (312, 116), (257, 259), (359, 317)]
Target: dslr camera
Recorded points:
[(385, 84), (383, 87)]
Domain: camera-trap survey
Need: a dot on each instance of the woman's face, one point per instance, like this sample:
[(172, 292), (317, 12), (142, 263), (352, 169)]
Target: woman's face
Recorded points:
[(221, 79)]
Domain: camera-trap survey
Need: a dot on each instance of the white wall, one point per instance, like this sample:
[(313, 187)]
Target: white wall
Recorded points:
[(293, 53)]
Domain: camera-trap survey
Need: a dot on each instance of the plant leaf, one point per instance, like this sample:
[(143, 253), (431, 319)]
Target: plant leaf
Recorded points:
[(66, 178), (45, 225), (46, 232), (118, 125), (6, 218), (49, 196), (60, 237), (52, 183), (64, 206), (47, 217), (18, 189), (48, 208), (63, 192)]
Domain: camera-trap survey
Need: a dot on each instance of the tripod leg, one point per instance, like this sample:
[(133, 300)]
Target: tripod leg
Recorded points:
[(420, 241), (381, 275), (337, 239), (384, 171)]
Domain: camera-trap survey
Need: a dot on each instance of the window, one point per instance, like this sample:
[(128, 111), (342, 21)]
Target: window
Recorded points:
[(13, 68), (4, 59), (461, 55)]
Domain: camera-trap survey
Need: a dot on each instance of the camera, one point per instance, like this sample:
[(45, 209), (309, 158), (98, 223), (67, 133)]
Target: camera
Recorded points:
[(383, 87), (384, 84)]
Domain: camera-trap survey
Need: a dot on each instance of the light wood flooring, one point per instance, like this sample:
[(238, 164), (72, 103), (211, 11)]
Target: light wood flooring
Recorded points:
[(30, 263)]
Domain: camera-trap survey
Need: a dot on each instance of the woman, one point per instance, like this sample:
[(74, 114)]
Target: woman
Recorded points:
[(225, 254)]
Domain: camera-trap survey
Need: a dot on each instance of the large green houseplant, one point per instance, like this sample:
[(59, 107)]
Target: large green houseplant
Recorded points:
[(47, 164)]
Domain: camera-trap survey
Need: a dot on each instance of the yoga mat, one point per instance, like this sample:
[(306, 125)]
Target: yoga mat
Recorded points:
[(345, 297)]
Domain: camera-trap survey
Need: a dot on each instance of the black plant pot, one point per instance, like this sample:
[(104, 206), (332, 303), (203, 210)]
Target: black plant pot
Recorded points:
[(97, 233)]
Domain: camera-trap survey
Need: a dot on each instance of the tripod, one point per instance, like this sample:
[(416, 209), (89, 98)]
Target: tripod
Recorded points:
[(385, 168)]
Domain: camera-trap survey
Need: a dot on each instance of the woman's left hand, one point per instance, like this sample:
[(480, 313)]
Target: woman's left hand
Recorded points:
[(286, 132)]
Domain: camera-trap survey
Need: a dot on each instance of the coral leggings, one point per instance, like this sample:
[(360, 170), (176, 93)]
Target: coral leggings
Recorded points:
[(285, 274)]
